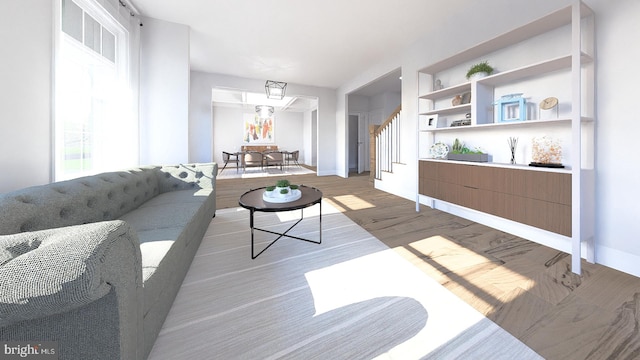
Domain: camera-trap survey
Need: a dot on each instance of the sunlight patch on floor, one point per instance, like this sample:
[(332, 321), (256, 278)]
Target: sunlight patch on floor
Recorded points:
[(309, 212), (335, 205), (464, 271), (352, 202)]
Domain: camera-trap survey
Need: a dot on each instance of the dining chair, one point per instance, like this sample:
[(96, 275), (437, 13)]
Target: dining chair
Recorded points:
[(292, 156), (229, 157), (252, 158), (274, 158)]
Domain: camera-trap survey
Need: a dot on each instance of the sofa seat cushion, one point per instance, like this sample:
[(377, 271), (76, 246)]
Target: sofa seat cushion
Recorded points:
[(160, 261), (162, 226), (154, 246), (179, 196), (166, 210)]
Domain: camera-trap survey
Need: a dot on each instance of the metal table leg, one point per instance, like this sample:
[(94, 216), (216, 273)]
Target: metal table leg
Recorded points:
[(283, 234)]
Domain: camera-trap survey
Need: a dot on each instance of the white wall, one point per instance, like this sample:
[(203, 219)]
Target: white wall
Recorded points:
[(383, 105), (310, 131), (25, 93), (617, 27), (228, 130), (617, 129), (202, 143), (164, 92), (26, 89), (391, 102), (358, 104)]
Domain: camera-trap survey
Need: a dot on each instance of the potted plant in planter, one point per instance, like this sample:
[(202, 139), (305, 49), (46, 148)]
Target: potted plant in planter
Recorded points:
[(462, 153), (283, 183), (479, 70), (282, 191), (282, 187), (269, 191)]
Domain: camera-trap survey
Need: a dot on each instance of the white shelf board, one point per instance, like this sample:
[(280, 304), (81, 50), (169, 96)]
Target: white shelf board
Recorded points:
[(537, 69), (565, 170), (453, 90), (450, 110), (504, 124)]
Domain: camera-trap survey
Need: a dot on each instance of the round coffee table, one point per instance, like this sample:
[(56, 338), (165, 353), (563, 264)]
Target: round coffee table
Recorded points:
[(253, 201)]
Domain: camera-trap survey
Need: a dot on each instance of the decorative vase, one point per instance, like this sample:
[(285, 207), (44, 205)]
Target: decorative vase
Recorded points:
[(477, 76), (546, 151), (513, 143)]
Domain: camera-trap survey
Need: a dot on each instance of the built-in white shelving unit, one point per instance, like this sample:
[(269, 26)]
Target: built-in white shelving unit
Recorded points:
[(552, 56)]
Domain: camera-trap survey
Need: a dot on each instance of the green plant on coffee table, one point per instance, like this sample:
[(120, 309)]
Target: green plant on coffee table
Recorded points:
[(270, 188), (293, 187), (284, 191), (283, 183), (459, 148)]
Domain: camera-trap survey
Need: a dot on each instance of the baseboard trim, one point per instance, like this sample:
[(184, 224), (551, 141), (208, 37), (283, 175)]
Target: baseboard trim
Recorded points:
[(618, 260), (606, 256)]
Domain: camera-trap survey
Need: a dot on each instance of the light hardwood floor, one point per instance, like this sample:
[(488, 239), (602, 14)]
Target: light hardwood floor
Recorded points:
[(526, 288)]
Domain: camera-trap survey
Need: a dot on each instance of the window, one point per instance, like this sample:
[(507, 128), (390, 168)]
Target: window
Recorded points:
[(95, 129)]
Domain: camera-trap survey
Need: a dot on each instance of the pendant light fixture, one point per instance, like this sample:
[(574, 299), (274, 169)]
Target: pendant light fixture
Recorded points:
[(275, 89), (264, 111)]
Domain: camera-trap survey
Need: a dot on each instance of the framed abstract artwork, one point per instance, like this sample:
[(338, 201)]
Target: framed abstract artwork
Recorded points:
[(258, 130)]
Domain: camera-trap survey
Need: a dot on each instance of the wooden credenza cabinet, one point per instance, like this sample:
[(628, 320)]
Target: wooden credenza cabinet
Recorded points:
[(537, 198)]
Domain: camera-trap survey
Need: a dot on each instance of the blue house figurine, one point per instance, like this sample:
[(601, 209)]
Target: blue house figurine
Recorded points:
[(511, 108)]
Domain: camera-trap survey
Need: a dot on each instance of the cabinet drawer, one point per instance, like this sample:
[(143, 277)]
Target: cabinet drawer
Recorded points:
[(429, 188), (448, 173), (542, 214), (468, 197), (428, 170), (469, 175), (540, 185), (449, 192)]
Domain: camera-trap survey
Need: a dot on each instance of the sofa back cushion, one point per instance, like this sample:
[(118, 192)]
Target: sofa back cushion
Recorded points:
[(101, 197), (186, 177)]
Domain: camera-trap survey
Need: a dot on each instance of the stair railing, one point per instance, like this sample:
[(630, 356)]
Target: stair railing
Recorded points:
[(386, 138)]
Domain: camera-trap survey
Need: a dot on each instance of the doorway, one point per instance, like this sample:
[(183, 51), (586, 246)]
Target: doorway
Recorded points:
[(358, 152), (353, 143), (314, 139), (368, 105)]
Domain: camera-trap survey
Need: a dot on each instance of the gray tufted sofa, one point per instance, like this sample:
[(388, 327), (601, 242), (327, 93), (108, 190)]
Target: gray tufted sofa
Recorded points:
[(95, 263)]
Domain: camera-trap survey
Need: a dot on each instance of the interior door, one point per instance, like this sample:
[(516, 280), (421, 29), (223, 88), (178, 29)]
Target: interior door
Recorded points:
[(363, 144), (353, 145)]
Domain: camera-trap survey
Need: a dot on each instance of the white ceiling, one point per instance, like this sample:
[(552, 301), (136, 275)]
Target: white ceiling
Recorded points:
[(325, 43), (310, 42)]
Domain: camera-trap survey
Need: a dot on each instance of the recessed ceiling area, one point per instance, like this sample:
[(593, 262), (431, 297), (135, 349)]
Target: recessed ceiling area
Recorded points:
[(248, 100)]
